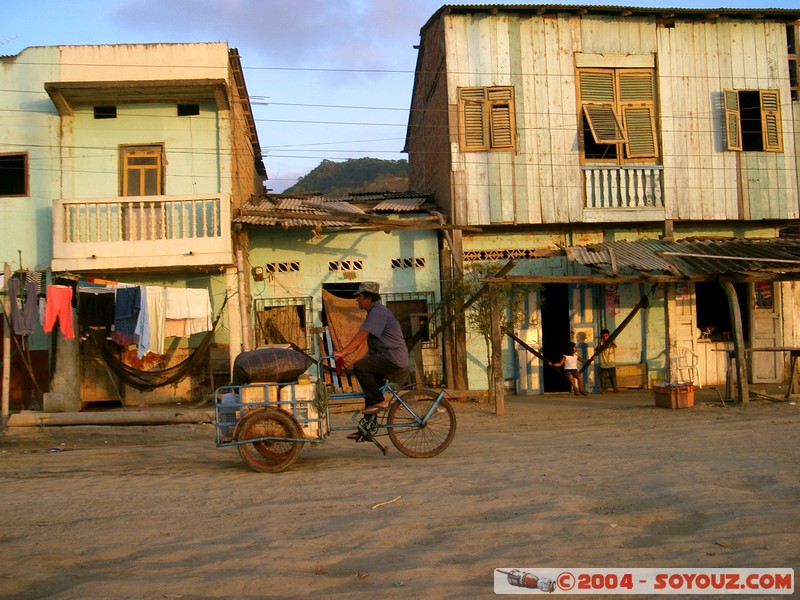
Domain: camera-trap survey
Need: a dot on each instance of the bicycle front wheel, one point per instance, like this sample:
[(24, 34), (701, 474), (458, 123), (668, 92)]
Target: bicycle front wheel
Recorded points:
[(268, 456), (413, 439)]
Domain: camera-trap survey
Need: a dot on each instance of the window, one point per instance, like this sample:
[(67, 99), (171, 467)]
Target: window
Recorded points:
[(13, 174), (416, 262), (142, 170), (105, 112), (283, 321), (414, 311), (345, 265), (486, 118), (617, 114), (753, 120), (188, 110), (142, 174), (792, 46)]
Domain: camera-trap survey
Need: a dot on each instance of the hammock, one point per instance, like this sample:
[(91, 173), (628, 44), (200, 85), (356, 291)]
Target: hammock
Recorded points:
[(148, 380)]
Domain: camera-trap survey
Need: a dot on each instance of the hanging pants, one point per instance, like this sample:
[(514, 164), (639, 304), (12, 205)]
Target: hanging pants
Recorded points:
[(59, 306)]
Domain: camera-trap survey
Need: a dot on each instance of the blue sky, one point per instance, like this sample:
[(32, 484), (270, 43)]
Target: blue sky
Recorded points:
[(328, 79)]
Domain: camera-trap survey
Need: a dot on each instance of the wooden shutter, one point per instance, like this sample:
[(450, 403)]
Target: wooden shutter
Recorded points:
[(597, 86), (640, 126), (733, 120), (637, 105), (604, 124), (472, 103), (771, 121), (597, 99), (502, 123)]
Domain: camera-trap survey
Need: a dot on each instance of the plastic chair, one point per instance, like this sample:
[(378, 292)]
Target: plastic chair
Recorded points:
[(684, 366)]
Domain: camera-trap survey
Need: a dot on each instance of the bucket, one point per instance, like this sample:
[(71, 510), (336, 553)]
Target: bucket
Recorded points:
[(227, 414)]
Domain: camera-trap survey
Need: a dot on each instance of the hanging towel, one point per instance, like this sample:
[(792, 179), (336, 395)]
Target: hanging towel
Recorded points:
[(188, 311), (150, 326)]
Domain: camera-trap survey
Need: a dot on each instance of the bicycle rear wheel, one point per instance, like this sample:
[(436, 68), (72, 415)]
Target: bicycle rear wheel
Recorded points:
[(421, 441), (270, 456)]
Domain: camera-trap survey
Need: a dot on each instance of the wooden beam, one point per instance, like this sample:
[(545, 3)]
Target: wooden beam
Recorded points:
[(742, 389), (7, 333), (497, 355)]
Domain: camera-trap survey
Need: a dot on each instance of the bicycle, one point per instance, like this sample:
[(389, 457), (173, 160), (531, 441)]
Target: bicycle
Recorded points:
[(269, 431)]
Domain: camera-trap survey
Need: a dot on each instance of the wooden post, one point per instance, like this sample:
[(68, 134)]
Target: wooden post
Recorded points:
[(742, 389), (416, 350), (497, 356), (7, 333), (243, 302)]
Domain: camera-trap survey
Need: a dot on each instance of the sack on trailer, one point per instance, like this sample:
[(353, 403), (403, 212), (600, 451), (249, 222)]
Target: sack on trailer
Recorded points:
[(278, 365)]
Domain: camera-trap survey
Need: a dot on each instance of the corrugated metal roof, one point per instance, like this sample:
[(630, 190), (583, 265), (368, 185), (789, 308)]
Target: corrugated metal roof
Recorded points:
[(277, 210), (780, 13), (692, 258)]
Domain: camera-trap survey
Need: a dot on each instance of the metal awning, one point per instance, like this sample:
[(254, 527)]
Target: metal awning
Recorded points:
[(693, 259)]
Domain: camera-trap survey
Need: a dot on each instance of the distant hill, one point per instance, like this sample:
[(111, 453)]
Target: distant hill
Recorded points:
[(353, 175)]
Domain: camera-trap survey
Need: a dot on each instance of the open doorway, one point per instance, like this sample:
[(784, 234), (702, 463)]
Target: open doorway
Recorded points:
[(713, 314), (555, 333)]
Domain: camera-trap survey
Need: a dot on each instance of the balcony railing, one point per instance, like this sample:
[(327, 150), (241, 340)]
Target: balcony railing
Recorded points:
[(623, 187), (141, 231)]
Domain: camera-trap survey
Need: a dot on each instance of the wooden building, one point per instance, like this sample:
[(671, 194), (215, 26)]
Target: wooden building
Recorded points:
[(554, 127)]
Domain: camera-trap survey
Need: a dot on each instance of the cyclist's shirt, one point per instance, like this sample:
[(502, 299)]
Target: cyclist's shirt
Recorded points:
[(385, 335)]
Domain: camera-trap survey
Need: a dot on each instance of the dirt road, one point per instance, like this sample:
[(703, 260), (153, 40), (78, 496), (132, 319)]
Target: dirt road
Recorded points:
[(605, 481)]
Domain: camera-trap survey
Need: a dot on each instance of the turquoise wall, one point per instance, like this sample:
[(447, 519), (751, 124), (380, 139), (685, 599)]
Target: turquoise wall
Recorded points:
[(375, 250), (30, 124), (190, 145)]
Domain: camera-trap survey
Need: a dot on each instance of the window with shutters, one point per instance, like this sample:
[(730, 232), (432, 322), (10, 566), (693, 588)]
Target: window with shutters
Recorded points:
[(617, 115), (753, 120), (486, 119)]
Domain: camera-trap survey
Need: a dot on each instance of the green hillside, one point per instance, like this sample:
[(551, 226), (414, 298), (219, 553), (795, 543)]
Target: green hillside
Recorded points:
[(352, 176)]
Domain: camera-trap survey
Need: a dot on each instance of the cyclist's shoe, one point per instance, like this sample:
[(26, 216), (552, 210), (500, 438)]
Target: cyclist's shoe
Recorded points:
[(375, 408)]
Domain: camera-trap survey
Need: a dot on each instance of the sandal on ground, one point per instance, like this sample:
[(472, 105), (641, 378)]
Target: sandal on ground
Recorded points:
[(375, 408), (584, 393)]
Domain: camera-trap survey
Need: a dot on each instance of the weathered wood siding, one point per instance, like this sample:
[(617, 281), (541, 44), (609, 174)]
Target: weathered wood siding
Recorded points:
[(428, 137), (542, 183), (696, 62)]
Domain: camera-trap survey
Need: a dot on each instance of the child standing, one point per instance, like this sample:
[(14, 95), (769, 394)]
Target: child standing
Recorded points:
[(570, 362), (608, 362)]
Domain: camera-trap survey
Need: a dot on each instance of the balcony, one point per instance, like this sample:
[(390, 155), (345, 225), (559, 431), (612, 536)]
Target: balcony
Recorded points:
[(141, 232), (616, 194)]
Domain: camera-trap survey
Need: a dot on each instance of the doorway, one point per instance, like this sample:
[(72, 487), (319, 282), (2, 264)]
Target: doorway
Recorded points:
[(555, 333)]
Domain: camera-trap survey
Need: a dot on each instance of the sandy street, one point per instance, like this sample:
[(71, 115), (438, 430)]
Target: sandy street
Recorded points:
[(604, 481)]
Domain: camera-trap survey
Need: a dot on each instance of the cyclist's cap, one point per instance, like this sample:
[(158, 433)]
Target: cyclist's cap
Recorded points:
[(372, 287)]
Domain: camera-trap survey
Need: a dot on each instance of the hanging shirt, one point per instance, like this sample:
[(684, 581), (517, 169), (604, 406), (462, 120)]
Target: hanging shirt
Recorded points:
[(23, 319)]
